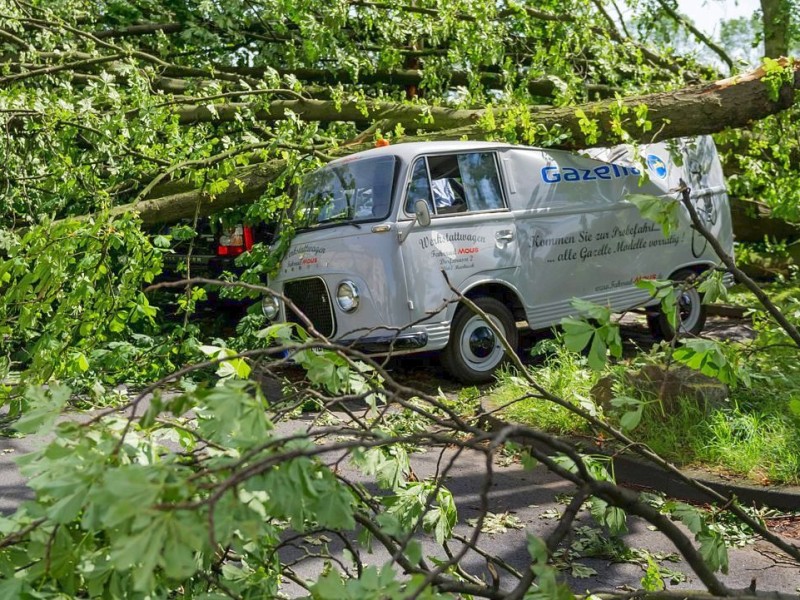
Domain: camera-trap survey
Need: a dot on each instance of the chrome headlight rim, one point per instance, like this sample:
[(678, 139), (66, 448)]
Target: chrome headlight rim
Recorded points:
[(347, 296), (270, 307)]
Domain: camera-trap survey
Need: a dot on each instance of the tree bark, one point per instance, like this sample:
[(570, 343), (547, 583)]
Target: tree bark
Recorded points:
[(250, 183), (695, 110), (775, 15), (733, 102), (752, 222)]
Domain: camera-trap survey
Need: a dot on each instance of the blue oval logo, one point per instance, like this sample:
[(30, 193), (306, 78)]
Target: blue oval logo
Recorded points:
[(657, 166)]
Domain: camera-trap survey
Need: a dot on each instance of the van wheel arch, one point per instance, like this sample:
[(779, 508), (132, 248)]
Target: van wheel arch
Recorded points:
[(502, 293)]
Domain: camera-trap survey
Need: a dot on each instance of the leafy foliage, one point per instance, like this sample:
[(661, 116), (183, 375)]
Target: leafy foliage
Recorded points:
[(72, 303), (595, 331), (195, 490)]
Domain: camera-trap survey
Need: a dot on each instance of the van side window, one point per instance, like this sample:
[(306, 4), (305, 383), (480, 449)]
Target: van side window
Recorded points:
[(419, 189), (458, 183), (480, 181)]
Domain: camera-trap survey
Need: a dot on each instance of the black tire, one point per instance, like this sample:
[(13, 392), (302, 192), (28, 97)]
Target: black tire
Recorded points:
[(691, 312), (473, 352)]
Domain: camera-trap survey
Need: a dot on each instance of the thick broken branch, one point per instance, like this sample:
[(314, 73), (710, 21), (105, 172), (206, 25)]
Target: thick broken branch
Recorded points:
[(249, 185), (697, 110)]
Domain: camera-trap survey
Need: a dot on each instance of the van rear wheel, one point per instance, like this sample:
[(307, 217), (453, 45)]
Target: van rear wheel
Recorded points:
[(474, 351), (691, 312)]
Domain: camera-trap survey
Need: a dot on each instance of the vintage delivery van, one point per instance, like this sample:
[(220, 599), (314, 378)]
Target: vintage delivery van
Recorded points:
[(520, 231)]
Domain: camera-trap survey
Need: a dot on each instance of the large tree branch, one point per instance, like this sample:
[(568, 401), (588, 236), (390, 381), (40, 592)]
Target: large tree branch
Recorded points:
[(776, 16), (696, 110), (709, 108), (703, 109), (545, 87), (168, 209), (140, 29)]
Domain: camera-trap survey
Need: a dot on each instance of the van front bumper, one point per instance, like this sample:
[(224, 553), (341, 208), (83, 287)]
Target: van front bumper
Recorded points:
[(384, 344)]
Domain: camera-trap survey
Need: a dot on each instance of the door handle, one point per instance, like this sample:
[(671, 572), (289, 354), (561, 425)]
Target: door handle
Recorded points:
[(504, 236)]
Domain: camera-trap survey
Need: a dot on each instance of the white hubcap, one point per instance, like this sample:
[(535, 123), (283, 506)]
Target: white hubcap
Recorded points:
[(479, 346)]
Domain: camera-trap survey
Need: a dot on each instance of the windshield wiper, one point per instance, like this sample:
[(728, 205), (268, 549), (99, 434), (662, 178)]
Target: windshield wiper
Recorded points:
[(339, 221), (328, 223)]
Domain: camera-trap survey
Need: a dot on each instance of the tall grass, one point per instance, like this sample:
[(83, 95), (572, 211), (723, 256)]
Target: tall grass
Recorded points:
[(562, 373), (755, 435)]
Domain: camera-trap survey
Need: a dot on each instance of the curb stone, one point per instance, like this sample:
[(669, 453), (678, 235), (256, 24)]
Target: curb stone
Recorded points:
[(634, 471)]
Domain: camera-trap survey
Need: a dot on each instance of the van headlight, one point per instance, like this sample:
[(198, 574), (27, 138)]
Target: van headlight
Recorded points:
[(347, 296), (270, 307)]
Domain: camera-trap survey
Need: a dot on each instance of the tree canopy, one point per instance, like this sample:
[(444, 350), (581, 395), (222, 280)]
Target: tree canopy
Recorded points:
[(111, 104)]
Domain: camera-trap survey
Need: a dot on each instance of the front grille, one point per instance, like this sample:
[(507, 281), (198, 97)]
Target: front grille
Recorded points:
[(310, 296)]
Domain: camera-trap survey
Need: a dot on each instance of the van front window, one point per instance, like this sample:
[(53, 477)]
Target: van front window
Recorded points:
[(348, 192)]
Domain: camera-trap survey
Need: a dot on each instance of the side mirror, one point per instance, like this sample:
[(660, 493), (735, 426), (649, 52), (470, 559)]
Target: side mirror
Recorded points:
[(422, 212), (422, 217)]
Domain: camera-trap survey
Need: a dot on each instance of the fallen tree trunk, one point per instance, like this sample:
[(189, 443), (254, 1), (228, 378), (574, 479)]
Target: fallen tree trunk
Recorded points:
[(250, 183), (695, 110), (753, 221)]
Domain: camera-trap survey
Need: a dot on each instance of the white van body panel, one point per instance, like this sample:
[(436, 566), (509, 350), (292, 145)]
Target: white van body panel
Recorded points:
[(562, 229)]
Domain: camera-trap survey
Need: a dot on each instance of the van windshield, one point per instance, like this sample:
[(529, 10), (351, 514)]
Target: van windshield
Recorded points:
[(349, 192)]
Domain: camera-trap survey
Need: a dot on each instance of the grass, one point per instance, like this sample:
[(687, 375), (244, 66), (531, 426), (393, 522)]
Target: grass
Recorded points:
[(780, 292), (564, 374), (758, 442), (754, 436)]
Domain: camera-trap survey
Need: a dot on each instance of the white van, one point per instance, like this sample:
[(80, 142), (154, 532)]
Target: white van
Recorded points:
[(520, 231)]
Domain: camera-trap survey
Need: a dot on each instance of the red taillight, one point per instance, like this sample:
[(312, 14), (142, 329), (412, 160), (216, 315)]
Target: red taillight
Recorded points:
[(235, 240)]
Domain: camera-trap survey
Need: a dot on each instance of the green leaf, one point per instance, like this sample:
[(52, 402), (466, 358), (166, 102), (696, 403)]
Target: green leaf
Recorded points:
[(688, 515), (663, 211), (631, 419), (597, 353), (528, 462), (141, 550), (82, 362), (713, 550), (125, 493), (794, 406), (537, 549), (45, 405), (330, 586), (713, 288), (652, 581), (577, 334), (277, 331), (616, 520), (68, 508), (624, 401), (581, 571), (591, 310), (414, 552), (236, 367)]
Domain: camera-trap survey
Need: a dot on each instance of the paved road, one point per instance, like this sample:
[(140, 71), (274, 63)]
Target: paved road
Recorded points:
[(535, 498)]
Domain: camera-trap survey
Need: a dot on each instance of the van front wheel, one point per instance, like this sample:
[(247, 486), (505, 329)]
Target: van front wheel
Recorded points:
[(691, 312), (474, 351)]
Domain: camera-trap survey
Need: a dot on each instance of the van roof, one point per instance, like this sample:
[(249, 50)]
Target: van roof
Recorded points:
[(409, 150)]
